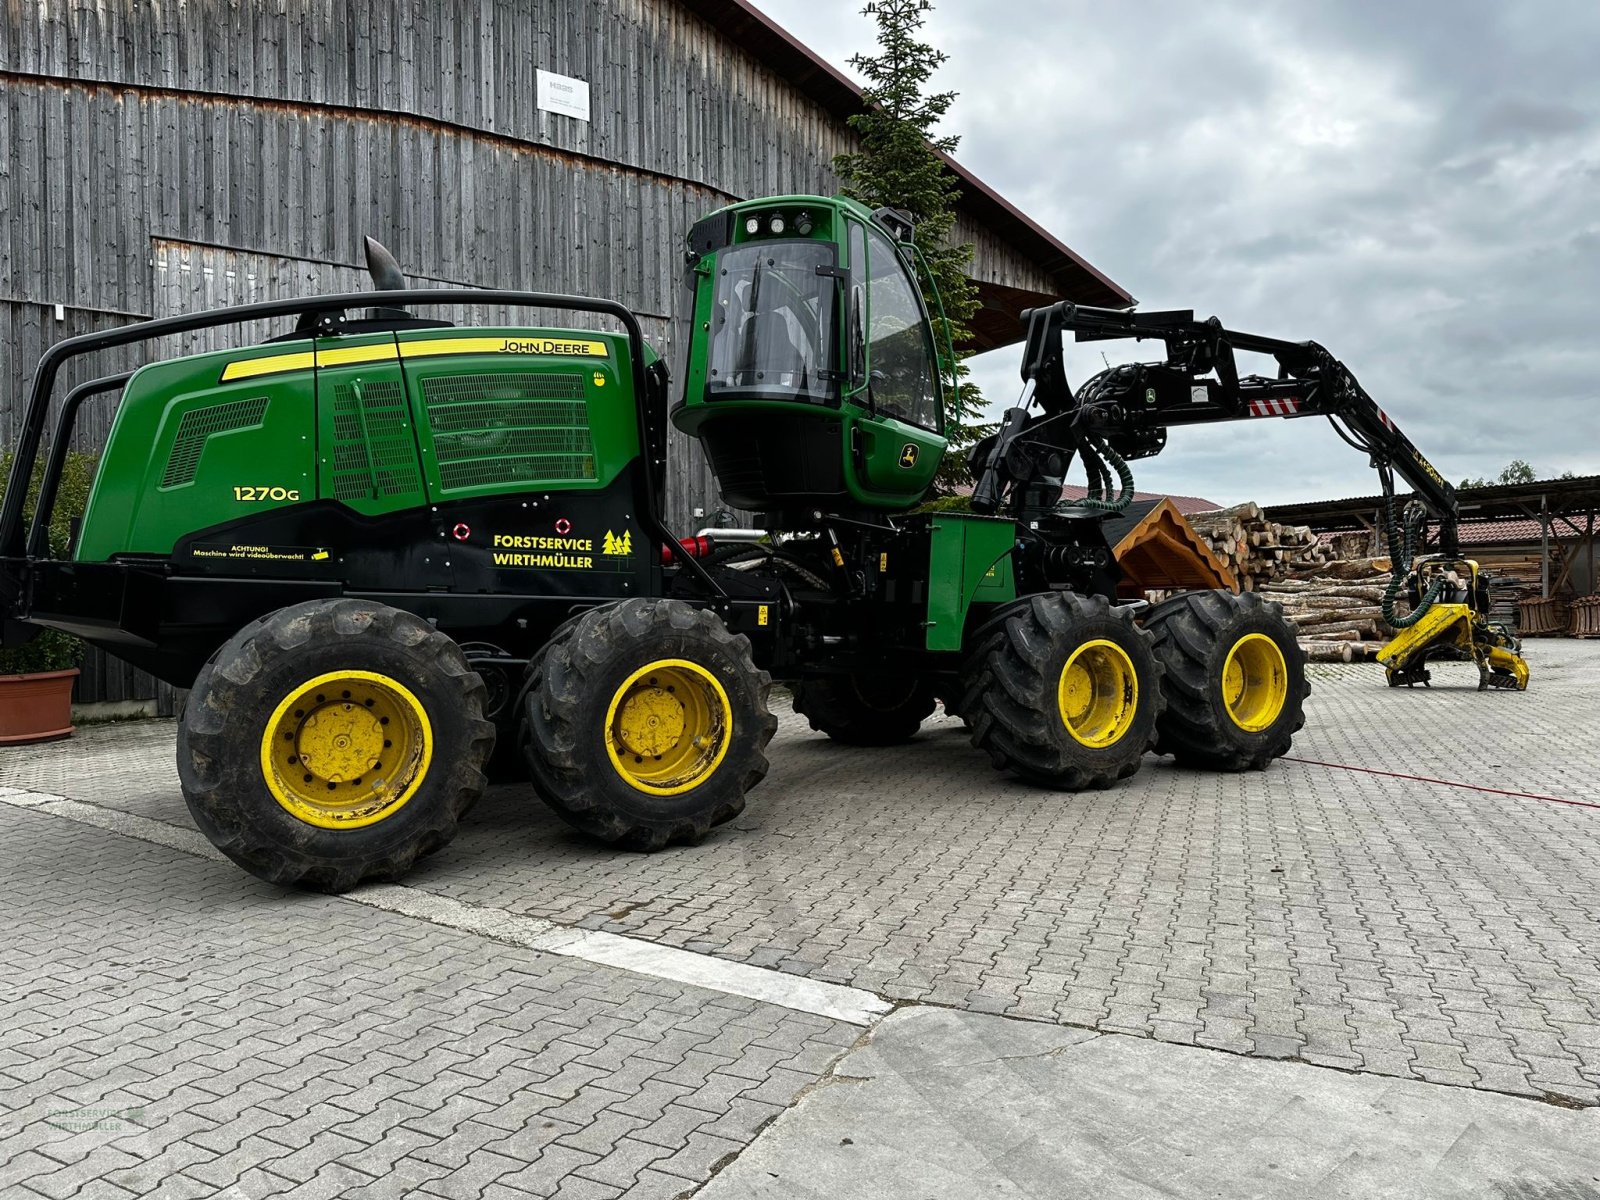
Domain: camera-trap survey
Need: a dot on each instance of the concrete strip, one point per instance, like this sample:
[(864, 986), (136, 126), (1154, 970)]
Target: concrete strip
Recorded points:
[(128, 824), (493, 923), (24, 799), (851, 1005), (840, 1003), (944, 1103)]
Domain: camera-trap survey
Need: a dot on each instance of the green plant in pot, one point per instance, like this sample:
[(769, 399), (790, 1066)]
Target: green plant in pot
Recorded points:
[(36, 677)]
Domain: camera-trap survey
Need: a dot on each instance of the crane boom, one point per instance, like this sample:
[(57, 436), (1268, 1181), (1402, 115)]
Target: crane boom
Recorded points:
[(1199, 383)]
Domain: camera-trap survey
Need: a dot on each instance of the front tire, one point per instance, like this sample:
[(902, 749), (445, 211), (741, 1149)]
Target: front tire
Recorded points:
[(1235, 680), (646, 723), (861, 710), (331, 742), (1063, 690)]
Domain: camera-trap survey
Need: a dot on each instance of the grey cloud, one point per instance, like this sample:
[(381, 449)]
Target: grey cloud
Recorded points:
[(1514, 118)]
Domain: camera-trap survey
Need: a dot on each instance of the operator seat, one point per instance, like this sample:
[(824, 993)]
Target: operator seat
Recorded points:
[(770, 352)]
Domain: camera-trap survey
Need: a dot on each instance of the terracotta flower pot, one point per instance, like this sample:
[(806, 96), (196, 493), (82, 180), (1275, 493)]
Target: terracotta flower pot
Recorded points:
[(36, 708)]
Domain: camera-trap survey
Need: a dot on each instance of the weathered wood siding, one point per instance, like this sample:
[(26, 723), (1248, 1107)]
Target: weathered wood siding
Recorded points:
[(162, 157)]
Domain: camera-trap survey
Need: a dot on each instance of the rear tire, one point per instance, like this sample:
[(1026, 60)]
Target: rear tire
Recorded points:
[(1235, 680), (863, 710), (282, 746), (646, 723), (1063, 690)]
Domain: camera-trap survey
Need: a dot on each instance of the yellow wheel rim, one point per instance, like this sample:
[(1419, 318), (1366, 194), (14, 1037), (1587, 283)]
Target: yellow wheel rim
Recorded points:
[(346, 749), (1098, 694), (668, 727), (1255, 682)]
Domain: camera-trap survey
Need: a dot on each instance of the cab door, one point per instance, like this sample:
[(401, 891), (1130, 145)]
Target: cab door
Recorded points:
[(902, 445)]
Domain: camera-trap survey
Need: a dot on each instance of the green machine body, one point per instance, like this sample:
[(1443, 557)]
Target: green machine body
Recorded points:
[(239, 444)]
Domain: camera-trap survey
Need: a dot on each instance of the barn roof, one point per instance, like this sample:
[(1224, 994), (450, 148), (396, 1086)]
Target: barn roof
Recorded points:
[(1076, 278), (1496, 502), (1187, 505)]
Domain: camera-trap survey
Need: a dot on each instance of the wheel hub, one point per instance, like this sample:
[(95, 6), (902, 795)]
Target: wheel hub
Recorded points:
[(341, 742), (668, 727), (651, 721), (1098, 694), (1255, 682), (346, 749)]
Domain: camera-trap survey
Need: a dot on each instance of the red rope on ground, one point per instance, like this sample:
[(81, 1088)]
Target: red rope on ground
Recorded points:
[(1312, 762)]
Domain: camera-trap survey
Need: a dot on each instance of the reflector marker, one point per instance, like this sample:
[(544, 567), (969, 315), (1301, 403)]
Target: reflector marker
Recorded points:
[(1284, 406)]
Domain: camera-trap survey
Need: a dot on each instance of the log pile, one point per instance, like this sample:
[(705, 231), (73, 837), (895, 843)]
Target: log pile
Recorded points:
[(1585, 617), (1339, 614), (1506, 593), (1255, 549)]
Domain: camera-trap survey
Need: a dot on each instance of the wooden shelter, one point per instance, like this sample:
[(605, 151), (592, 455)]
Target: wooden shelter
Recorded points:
[(1158, 550), (1541, 533)]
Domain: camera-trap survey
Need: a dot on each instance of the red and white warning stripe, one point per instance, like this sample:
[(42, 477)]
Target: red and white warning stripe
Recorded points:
[(1387, 423), (1285, 406)]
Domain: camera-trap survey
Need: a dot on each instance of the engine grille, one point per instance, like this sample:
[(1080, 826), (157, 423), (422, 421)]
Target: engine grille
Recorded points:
[(530, 428), (374, 452)]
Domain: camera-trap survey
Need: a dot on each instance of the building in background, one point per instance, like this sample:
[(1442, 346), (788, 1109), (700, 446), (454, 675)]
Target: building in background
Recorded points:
[(1539, 536), (160, 158)]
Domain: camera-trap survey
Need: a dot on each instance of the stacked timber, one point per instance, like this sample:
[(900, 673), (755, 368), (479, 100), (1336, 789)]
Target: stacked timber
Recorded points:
[(1340, 613), (1585, 617), (1255, 549), (1344, 546), (1506, 593), (1538, 617)]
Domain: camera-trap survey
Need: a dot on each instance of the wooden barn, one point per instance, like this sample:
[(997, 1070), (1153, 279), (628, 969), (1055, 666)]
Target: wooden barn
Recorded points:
[(158, 158)]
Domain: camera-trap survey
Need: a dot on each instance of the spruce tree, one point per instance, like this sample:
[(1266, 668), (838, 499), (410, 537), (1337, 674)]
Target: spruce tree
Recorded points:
[(899, 166)]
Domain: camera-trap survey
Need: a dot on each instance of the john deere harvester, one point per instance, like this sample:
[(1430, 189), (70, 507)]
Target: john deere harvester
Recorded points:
[(388, 554)]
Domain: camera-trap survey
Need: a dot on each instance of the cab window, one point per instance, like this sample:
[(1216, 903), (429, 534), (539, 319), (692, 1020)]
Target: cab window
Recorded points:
[(772, 331), (900, 361)]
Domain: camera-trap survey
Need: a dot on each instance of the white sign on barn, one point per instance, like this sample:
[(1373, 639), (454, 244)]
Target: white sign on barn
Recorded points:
[(563, 94)]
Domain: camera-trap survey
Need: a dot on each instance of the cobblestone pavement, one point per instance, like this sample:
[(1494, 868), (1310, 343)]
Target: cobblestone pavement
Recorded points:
[(1348, 919), (170, 1027)]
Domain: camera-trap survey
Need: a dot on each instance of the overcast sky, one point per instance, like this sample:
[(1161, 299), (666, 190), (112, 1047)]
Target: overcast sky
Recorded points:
[(1414, 185)]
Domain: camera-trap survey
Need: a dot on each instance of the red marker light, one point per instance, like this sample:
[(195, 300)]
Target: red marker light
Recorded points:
[(563, 526), (462, 531)]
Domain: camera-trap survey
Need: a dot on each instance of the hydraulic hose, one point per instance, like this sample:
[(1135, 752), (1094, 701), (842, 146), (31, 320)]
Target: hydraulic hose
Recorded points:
[(1095, 474), (1401, 548), (1101, 503)]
